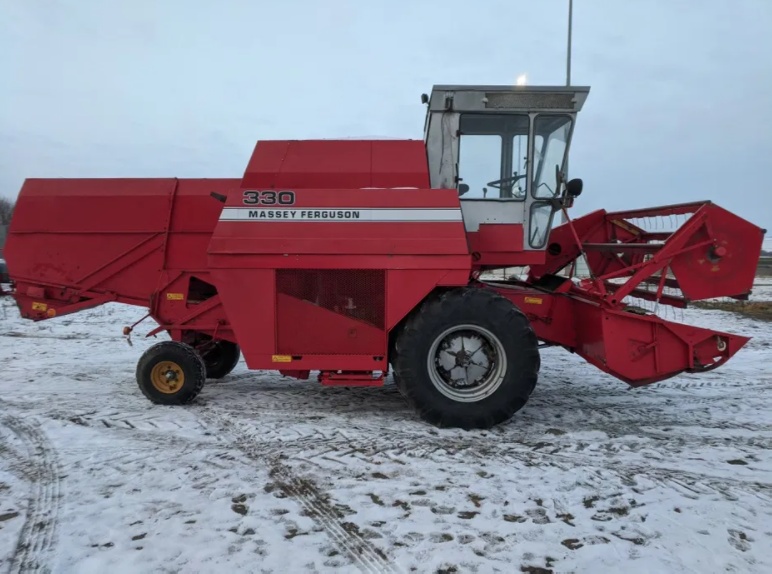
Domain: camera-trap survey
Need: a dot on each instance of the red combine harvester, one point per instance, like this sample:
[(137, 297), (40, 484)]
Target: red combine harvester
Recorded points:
[(350, 257)]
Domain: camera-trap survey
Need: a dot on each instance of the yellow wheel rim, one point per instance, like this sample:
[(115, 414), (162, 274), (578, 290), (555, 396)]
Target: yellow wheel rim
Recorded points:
[(167, 377)]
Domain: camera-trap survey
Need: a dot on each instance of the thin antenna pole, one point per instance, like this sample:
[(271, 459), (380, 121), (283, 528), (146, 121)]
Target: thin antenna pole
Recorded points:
[(568, 52), (563, 217)]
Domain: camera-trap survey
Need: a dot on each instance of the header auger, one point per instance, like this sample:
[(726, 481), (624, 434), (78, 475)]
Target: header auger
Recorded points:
[(354, 258)]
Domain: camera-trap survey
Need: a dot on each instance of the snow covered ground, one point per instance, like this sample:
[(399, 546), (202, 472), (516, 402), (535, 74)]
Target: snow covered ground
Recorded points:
[(264, 474)]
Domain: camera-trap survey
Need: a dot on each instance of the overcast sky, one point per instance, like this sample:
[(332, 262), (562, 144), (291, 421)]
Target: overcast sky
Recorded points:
[(679, 108)]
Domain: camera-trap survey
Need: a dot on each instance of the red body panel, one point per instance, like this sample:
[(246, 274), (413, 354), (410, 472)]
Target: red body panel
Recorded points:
[(313, 258), (497, 245), (88, 241), (353, 276), (331, 164), (637, 349)]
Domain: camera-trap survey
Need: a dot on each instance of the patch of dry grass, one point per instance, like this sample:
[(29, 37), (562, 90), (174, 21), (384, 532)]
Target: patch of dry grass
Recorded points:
[(761, 310)]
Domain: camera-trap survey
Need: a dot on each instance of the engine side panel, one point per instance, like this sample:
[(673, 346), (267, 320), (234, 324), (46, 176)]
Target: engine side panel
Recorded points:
[(316, 276)]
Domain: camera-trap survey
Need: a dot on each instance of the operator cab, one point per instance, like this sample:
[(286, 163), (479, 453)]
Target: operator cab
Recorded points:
[(505, 149)]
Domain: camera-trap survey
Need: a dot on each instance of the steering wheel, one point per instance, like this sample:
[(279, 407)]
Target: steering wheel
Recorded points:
[(496, 183)]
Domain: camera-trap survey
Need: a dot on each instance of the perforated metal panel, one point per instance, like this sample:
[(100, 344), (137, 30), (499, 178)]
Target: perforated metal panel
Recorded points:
[(355, 293), (330, 312), (540, 101)]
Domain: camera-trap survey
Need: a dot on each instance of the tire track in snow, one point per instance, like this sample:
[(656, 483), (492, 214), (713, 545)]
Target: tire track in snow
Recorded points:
[(626, 430), (532, 448), (360, 550), (153, 419), (621, 437), (719, 383), (660, 429), (343, 535), (16, 462), (532, 455), (582, 407), (39, 532)]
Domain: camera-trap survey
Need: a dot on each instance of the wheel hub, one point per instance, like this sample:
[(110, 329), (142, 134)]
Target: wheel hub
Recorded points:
[(467, 363), (167, 377), (463, 366)]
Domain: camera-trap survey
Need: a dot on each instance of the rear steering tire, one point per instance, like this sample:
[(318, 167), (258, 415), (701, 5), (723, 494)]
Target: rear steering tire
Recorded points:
[(467, 358), (171, 373), (220, 359)]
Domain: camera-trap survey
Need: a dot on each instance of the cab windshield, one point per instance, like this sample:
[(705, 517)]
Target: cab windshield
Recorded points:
[(551, 133), (551, 136), (493, 155)]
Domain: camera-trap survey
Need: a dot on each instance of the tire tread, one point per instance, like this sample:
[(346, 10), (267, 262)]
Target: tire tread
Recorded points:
[(495, 312), (184, 355)]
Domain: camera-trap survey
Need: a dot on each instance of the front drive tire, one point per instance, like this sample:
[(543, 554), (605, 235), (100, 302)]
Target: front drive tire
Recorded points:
[(171, 373), (467, 358)]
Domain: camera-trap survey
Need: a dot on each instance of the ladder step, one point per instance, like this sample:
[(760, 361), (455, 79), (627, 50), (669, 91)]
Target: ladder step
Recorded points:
[(332, 379)]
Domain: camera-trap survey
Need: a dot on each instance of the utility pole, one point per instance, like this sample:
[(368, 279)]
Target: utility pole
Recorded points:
[(568, 52), (568, 73)]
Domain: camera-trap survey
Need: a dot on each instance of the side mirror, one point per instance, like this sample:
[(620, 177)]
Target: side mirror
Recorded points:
[(462, 189), (574, 187)]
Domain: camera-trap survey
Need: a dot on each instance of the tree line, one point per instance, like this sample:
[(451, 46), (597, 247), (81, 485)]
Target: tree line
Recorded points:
[(6, 212)]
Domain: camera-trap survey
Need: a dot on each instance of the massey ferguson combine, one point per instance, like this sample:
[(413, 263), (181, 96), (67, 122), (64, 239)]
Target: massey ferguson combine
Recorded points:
[(350, 259)]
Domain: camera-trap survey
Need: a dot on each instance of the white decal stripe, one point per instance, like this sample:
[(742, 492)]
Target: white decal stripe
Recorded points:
[(341, 214)]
